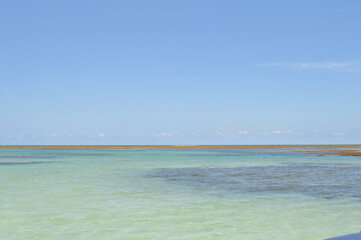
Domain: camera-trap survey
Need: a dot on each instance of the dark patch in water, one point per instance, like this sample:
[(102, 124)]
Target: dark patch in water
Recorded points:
[(22, 163), (245, 152), (83, 154), (29, 157), (318, 180), (62, 155), (87, 154)]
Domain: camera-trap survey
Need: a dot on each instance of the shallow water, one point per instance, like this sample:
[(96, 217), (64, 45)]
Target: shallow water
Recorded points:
[(215, 194)]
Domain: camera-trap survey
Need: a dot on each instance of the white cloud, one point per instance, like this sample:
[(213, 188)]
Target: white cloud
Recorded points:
[(163, 134), (16, 136), (220, 134), (351, 66), (338, 134), (195, 134), (261, 133), (282, 132), (137, 135), (101, 135), (243, 133), (157, 134)]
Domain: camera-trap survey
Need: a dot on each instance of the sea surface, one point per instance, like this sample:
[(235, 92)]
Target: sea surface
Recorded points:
[(256, 194)]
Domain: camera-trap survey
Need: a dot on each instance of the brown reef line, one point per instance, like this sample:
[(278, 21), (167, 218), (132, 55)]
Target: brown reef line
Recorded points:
[(321, 150)]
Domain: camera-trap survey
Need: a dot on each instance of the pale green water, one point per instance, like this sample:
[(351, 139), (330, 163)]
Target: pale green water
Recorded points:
[(238, 194)]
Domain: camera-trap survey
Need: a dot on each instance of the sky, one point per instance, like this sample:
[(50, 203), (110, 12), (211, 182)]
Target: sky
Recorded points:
[(184, 72)]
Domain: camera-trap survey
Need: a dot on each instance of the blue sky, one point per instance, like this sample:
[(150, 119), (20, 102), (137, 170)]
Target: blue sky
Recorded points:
[(180, 72)]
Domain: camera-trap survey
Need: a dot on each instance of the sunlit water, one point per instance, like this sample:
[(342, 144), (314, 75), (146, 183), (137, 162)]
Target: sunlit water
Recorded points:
[(221, 194)]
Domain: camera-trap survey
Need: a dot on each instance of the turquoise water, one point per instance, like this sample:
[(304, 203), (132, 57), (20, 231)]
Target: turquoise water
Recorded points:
[(138, 194)]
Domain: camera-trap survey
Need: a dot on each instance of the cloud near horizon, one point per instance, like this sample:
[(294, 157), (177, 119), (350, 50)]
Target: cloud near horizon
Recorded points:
[(350, 66), (243, 134)]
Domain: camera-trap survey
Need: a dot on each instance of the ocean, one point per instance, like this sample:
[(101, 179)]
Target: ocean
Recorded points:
[(228, 194)]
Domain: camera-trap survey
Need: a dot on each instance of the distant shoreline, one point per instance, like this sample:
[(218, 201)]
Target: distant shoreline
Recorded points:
[(176, 146), (340, 150)]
